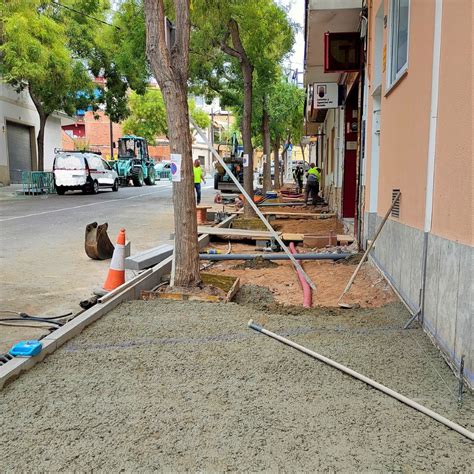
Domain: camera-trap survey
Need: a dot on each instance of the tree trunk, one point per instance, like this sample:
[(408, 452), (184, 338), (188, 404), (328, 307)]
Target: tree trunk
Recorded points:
[(276, 161), (186, 270), (247, 72), (43, 116), (246, 67), (267, 167), (40, 141), (169, 64)]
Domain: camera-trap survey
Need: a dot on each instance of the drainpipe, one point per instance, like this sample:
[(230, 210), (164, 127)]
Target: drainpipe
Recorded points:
[(431, 145)]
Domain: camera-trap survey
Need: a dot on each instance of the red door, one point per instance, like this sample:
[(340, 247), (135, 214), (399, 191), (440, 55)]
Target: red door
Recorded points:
[(350, 156)]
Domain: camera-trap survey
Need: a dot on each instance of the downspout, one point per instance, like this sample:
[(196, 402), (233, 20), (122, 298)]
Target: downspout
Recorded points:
[(431, 146)]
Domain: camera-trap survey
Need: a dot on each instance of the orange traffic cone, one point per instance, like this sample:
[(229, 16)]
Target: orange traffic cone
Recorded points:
[(116, 276)]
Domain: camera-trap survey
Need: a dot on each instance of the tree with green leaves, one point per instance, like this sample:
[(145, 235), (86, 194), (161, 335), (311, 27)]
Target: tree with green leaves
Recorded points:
[(286, 110), (254, 35), (148, 115), (36, 57)]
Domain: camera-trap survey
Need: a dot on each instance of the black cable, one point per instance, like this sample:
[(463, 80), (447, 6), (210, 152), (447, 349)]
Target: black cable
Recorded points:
[(27, 316), (85, 14), (38, 320)]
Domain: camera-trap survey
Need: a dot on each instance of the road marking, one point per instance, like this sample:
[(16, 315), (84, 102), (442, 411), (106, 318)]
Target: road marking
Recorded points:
[(84, 205)]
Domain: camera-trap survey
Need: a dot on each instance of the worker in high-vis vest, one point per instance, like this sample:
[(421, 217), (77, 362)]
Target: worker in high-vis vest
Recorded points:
[(198, 179), (313, 176)]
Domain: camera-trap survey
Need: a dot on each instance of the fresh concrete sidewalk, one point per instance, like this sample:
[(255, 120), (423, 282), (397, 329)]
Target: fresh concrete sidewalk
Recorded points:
[(167, 386)]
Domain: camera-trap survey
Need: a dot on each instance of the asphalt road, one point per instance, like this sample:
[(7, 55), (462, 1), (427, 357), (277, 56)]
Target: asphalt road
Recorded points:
[(43, 266)]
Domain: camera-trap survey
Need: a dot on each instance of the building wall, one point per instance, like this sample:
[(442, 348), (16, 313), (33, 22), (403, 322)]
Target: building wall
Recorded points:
[(405, 121), (403, 164), (19, 108), (453, 211)]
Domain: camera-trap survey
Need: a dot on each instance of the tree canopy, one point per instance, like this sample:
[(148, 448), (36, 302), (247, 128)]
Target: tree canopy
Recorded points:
[(148, 115)]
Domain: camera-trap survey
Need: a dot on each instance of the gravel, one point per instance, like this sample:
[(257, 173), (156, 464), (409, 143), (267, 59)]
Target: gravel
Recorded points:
[(176, 386)]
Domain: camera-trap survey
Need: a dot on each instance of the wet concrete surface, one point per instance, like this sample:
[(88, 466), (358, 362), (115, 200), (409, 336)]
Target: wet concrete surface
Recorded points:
[(180, 386)]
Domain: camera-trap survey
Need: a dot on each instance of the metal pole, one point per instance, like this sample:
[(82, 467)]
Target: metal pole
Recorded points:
[(254, 206), (407, 401), (369, 248), (273, 256)]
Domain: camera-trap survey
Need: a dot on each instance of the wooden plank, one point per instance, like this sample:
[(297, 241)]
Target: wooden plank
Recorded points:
[(259, 234), (299, 214), (293, 237), (233, 290), (345, 238)]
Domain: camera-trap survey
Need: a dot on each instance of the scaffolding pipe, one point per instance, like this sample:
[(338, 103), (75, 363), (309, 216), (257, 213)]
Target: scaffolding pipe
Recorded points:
[(401, 398), (275, 256)]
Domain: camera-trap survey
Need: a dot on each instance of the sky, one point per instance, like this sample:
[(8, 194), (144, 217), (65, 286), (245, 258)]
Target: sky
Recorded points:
[(296, 13)]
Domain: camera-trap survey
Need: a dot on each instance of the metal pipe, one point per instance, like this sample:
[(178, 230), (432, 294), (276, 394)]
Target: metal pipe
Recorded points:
[(274, 256), (307, 296), (401, 398)]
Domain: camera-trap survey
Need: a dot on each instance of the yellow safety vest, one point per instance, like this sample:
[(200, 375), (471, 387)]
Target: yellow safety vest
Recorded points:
[(315, 172), (197, 175)]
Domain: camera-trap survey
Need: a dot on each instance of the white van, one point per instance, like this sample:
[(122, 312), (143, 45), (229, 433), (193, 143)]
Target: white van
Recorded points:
[(83, 170)]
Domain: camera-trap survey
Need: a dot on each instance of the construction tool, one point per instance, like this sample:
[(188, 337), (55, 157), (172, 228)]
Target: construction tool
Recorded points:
[(97, 243), (364, 257), (401, 398), (26, 348)]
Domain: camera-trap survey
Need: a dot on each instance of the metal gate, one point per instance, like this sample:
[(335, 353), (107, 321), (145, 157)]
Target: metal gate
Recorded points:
[(19, 150)]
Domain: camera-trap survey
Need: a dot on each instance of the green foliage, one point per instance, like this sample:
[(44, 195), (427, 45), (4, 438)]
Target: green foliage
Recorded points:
[(286, 109), (35, 55), (267, 36), (201, 118), (148, 115)]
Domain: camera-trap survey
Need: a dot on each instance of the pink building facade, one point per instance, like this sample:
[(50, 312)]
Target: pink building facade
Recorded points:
[(414, 134)]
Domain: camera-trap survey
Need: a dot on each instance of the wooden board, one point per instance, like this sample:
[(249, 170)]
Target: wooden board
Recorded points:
[(244, 233), (229, 284), (345, 238), (293, 237), (299, 214)]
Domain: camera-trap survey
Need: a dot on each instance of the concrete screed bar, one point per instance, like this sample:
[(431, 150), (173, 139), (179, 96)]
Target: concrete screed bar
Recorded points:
[(254, 206), (407, 401)]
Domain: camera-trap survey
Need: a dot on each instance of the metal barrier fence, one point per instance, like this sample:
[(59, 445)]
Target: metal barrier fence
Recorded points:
[(37, 182), (165, 174)]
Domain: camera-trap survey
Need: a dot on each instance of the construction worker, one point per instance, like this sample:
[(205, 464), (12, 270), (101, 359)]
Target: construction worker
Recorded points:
[(198, 178), (313, 176), (298, 174)]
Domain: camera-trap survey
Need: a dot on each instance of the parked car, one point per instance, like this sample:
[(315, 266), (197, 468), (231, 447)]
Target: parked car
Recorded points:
[(84, 171)]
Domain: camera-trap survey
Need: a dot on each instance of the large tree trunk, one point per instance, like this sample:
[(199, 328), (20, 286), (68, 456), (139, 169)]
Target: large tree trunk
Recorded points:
[(169, 64), (186, 270), (238, 51), (267, 167), (276, 161)]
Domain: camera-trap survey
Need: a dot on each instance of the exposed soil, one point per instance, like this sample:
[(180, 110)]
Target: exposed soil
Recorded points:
[(255, 263), (369, 289), (308, 226), (198, 290), (174, 387), (248, 223)]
